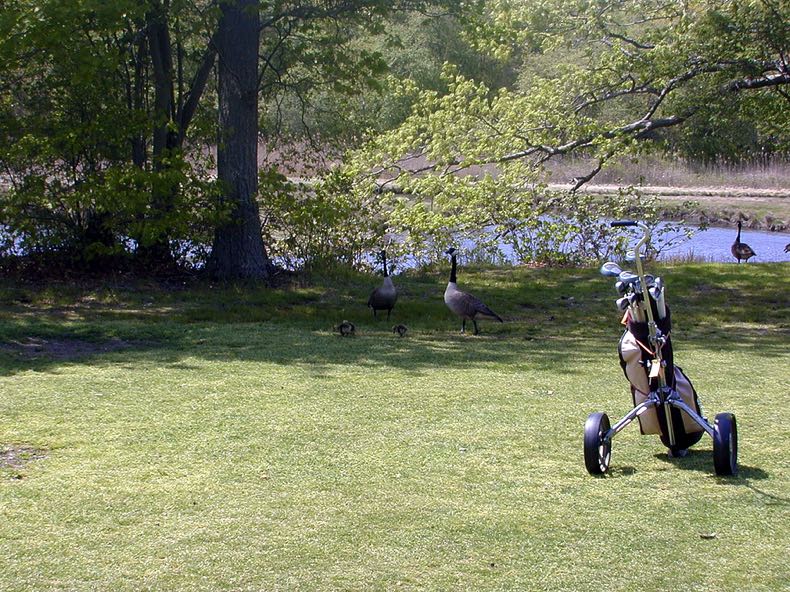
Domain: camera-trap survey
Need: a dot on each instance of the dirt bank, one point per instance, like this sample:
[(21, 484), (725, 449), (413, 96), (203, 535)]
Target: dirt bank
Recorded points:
[(759, 209)]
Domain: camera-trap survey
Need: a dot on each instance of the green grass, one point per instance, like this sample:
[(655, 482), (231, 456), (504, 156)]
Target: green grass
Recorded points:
[(239, 444)]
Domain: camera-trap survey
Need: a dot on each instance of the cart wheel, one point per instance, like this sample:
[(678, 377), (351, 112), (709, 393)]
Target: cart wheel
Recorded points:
[(597, 451), (725, 444)]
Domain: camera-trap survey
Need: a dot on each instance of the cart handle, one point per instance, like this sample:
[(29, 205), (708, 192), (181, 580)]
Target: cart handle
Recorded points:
[(641, 243)]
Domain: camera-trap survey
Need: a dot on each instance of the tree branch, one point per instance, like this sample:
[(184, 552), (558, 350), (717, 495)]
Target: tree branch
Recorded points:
[(633, 42), (196, 90)]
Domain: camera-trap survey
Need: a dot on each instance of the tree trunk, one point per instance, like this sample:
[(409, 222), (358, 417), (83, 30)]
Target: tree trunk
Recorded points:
[(238, 251), (155, 253), (137, 101)]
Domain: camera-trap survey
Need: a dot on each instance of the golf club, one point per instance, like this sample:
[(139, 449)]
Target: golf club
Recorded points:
[(610, 269)]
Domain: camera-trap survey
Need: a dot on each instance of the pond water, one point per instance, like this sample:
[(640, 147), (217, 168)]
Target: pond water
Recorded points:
[(711, 245), (714, 245)]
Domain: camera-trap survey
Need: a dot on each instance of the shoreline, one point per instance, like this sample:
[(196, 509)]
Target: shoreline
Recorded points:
[(758, 209)]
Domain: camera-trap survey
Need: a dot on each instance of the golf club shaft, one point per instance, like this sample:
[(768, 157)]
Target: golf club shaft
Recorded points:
[(652, 328), (651, 324)]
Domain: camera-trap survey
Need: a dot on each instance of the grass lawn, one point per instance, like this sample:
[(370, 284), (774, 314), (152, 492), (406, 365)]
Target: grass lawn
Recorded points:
[(207, 438)]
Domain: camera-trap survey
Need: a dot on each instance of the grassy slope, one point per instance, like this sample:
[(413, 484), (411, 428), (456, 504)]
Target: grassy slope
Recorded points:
[(241, 445)]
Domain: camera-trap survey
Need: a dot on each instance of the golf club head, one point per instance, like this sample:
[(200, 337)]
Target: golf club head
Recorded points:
[(610, 269), (650, 280), (628, 278), (636, 307), (621, 287), (661, 305), (623, 303)]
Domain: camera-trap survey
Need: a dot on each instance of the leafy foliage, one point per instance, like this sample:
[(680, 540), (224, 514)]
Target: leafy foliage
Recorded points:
[(318, 225), (106, 110), (70, 122), (471, 160)]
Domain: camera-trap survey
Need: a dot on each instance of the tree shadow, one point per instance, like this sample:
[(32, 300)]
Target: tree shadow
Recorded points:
[(556, 322), (288, 345), (168, 342)]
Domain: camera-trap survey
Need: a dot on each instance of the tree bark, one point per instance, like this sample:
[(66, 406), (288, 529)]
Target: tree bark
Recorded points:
[(155, 253), (238, 251), (137, 101)]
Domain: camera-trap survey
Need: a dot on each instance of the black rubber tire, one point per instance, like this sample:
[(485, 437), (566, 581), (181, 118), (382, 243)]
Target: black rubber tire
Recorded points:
[(597, 452), (725, 445)]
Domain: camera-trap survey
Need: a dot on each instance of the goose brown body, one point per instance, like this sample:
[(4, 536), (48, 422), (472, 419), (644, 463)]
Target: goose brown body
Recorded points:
[(463, 304), (741, 250), (385, 296)]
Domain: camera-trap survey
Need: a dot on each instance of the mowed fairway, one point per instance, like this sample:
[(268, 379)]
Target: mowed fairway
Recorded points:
[(236, 443)]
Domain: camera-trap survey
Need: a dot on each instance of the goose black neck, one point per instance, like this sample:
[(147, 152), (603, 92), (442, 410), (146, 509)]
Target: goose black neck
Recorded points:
[(384, 263), (738, 238), (452, 268)]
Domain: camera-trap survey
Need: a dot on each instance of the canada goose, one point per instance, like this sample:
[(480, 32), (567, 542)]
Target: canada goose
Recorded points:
[(383, 297), (787, 248), (345, 328), (741, 250), (465, 305), (400, 330)]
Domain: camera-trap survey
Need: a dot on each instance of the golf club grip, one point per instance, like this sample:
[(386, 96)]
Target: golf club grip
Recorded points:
[(622, 223)]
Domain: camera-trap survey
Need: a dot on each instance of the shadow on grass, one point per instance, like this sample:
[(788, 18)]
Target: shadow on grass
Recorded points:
[(771, 498), (171, 343), (555, 319), (280, 344), (702, 461), (616, 472)]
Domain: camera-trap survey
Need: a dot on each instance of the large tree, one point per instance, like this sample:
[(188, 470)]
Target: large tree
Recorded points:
[(238, 245), (179, 78), (303, 46), (104, 108)]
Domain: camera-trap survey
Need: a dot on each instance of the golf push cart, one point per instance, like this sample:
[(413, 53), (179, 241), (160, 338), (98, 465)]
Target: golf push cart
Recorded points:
[(665, 402)]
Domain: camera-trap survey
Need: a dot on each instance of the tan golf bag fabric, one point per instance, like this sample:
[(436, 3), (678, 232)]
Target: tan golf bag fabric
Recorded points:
[(631, 353)]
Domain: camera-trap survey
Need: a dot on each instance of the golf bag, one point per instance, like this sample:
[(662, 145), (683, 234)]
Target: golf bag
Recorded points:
[(635, 356), (665, 402)]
